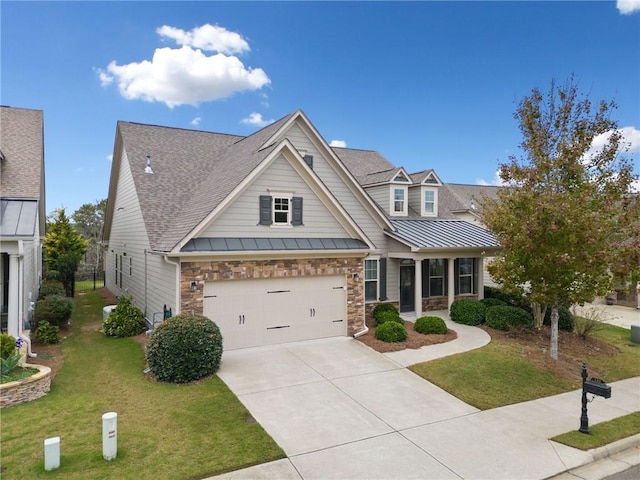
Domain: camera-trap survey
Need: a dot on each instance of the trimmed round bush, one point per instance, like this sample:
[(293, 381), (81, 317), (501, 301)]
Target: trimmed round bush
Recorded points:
[(388, 316), (54, 309), (492, 302), (184, 348), (566, 321), (47, 334), (51, 287), (467, 311), (429, 325), (506, 317), (126, 320), (391, 332), (383, 307)]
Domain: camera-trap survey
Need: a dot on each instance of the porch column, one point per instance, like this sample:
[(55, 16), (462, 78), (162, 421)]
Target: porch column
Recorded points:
[(13, 320), (418, 289), (451, 281), (480, 278)]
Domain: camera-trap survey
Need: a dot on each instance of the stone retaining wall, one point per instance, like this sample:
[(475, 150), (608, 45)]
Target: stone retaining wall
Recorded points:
[(26, 389)]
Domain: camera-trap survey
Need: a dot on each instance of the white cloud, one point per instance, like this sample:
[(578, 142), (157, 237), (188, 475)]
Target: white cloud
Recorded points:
[(178, 76), (207, 37), (629, 143), (196, 121), (338, 143), (497, 181), (627, 7), (256, 119)]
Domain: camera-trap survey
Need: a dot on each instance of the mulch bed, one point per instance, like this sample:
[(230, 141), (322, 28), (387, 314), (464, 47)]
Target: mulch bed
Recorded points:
[(414, 340)]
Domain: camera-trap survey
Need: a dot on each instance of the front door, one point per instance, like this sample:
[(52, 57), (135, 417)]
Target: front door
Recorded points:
[(407, 292)]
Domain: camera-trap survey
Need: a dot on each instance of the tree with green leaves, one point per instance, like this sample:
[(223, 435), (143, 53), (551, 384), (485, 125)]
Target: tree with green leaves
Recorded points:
[(563, 217), (64, 248), (88, 221)]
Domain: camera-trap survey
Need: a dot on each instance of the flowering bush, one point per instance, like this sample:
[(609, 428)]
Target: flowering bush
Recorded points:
[(10, 353)]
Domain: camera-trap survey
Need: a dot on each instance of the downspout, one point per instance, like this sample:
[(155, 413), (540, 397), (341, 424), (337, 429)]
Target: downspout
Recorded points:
[(177, 265), (365, 330), (21, 334)]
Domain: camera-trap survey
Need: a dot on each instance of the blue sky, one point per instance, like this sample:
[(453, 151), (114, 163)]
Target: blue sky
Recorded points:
[(426, 84)]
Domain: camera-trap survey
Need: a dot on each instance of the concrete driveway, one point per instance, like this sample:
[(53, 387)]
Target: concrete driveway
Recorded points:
[(339, 397), (340, 410)]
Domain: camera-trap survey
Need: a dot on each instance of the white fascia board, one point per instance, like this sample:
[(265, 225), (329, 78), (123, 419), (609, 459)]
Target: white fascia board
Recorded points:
[(329, 154)]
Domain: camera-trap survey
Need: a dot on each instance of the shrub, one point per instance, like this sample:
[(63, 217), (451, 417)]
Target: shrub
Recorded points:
[(51, 287), (506, 317), (565, 319), (467, 311), (47, 333), (492, 302), (383, 307), (184, 348), (7, 345), (388, 316), (428, 325), (391, 332), (125, 320), (54, 309), (591, 320)]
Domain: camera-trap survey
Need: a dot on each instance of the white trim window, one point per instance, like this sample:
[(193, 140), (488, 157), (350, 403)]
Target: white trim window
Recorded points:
[(281, 210), (371, 280), (398, 200), (429, 202), (465, 275)]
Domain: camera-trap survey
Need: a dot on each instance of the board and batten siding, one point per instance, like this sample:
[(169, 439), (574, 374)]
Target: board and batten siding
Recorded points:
[(143, 276), (334, 181), (241, 218)]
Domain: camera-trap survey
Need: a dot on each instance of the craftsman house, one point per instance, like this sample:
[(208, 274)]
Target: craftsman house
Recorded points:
[(277, 236), (22, 215)]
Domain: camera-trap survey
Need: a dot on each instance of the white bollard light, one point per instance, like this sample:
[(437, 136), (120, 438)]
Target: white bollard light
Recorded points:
[(109, 435), (51, 453)]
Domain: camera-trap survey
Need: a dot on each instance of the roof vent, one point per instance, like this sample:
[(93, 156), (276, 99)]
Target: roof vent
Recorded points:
[(147, 169)]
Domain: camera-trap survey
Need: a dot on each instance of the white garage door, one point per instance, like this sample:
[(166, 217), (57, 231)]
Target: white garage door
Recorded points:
[(277, 310)]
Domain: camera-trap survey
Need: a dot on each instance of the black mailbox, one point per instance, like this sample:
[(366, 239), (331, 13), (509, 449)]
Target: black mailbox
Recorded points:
[(597, 387)]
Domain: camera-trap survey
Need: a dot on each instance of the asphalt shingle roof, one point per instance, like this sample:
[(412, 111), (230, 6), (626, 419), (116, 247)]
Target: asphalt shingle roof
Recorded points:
[(443, 233), (22, 146), (455, 197), (365, 165)]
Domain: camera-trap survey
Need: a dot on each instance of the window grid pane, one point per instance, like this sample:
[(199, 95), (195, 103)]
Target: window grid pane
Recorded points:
[(398, 200)]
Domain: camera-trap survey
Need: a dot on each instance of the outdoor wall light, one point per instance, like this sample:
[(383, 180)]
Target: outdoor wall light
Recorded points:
[(356, 277), (194, 287)]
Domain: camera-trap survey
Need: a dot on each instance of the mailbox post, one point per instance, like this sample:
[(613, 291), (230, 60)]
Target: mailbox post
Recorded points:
[(594, 386)]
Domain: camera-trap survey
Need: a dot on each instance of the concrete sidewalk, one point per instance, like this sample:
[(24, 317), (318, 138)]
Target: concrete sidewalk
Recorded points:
[(340, 410)]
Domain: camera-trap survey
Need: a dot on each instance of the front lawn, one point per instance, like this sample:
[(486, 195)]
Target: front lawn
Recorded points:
[(164, 431), (602, 433), (517, 368)]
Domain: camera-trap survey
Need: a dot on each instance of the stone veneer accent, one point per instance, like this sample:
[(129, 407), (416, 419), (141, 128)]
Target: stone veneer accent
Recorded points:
[(26, 389), (239, 271)]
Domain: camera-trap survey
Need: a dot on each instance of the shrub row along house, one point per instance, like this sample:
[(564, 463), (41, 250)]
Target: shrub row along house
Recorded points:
[(22, 215), (278, 236)]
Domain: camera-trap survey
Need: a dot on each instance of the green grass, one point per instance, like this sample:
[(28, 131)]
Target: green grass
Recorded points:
[(18, 374), (164, 430), (500, 373), (492, 376), (602, 433)]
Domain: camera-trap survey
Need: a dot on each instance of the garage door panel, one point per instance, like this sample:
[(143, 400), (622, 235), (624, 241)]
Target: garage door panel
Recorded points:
[(270, 311)]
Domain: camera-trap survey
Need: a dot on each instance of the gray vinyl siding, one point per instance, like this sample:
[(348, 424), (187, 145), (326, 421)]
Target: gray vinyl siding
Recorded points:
[(393, 280), (334, 181), (145, 279), (381, 195), (415, 199), (241, 218)]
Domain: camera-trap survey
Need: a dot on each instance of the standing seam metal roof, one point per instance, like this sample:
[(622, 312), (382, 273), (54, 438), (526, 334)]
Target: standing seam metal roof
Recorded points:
[(443, 233)]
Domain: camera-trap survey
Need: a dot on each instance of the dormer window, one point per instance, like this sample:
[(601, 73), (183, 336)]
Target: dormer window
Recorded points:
[(429, 202), (399, 200)]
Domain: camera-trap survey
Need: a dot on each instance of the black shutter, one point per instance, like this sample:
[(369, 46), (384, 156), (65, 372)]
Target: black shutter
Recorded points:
[(426, 277), (296, 209), (456, 277), (309, 161), (475, 276), (382, 275), (446, 276), (265, 210)]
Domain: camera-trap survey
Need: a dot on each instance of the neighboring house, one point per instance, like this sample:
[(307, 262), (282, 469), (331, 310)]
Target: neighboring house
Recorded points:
[(22, 215), (277, 236)]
